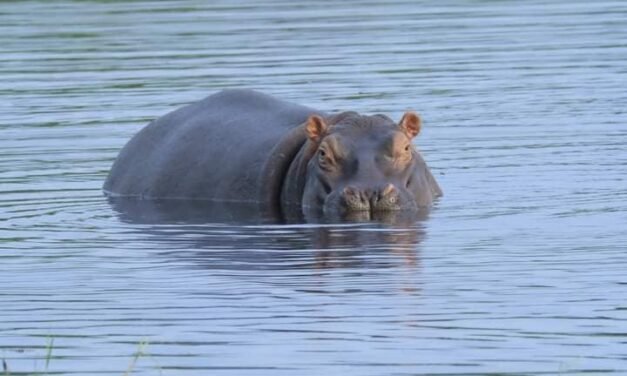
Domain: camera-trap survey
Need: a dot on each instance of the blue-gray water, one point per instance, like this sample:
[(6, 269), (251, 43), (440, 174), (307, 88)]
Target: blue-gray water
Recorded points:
[(521, 268)]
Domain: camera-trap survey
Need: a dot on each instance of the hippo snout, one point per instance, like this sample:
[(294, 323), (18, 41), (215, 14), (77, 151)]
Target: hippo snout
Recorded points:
[(368, 199)]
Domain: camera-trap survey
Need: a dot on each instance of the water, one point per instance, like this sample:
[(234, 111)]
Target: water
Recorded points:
[(520, 269)]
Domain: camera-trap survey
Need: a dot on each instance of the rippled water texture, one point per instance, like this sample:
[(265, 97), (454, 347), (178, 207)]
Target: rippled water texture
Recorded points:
[(520, 269)]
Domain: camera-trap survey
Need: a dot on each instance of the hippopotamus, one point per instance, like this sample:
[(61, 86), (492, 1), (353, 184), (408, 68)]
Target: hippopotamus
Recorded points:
[(241, 145)]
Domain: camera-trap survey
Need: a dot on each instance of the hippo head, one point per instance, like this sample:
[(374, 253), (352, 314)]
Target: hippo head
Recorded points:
[(365, 166)]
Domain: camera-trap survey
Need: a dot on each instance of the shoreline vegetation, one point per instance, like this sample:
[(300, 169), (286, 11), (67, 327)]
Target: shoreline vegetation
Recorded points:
[(141, 352)]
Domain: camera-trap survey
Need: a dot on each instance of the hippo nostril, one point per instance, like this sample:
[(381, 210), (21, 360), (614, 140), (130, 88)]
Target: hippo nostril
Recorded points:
[(349, 191), (355, 199), (388, 190), (351, 196), (387, 198)]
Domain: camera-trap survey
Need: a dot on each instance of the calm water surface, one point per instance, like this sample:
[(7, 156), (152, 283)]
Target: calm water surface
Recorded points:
[(520, 269)]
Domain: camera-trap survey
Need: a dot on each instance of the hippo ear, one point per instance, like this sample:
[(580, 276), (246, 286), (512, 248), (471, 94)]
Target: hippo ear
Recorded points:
[(315, 128), (410, 124)]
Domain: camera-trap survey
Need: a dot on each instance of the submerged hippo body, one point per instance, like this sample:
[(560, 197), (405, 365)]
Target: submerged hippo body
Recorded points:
[(244, 146)]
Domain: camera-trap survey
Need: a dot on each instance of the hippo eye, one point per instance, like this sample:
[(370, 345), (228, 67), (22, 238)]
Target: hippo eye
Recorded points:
[(407, 147), (326, 160), (323, 159)]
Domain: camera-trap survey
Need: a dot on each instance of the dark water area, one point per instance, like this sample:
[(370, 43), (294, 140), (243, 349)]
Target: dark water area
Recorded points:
[(520, 269)]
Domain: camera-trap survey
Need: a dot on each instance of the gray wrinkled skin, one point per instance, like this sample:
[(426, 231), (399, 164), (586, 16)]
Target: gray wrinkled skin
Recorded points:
[(368, 182), (248, 147)]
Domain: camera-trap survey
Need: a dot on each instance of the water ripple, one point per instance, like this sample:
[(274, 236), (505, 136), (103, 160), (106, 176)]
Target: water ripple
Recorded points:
[(518, 270)]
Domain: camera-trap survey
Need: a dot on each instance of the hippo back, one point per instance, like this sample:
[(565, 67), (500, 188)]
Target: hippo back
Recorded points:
[(214, 149)]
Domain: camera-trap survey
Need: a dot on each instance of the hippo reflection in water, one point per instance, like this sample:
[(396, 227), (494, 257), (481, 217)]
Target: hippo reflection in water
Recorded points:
[(229, 236), (242, 146)]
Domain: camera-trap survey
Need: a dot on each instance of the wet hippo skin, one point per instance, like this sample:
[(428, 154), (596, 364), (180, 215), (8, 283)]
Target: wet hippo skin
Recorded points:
[(244, 146)]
